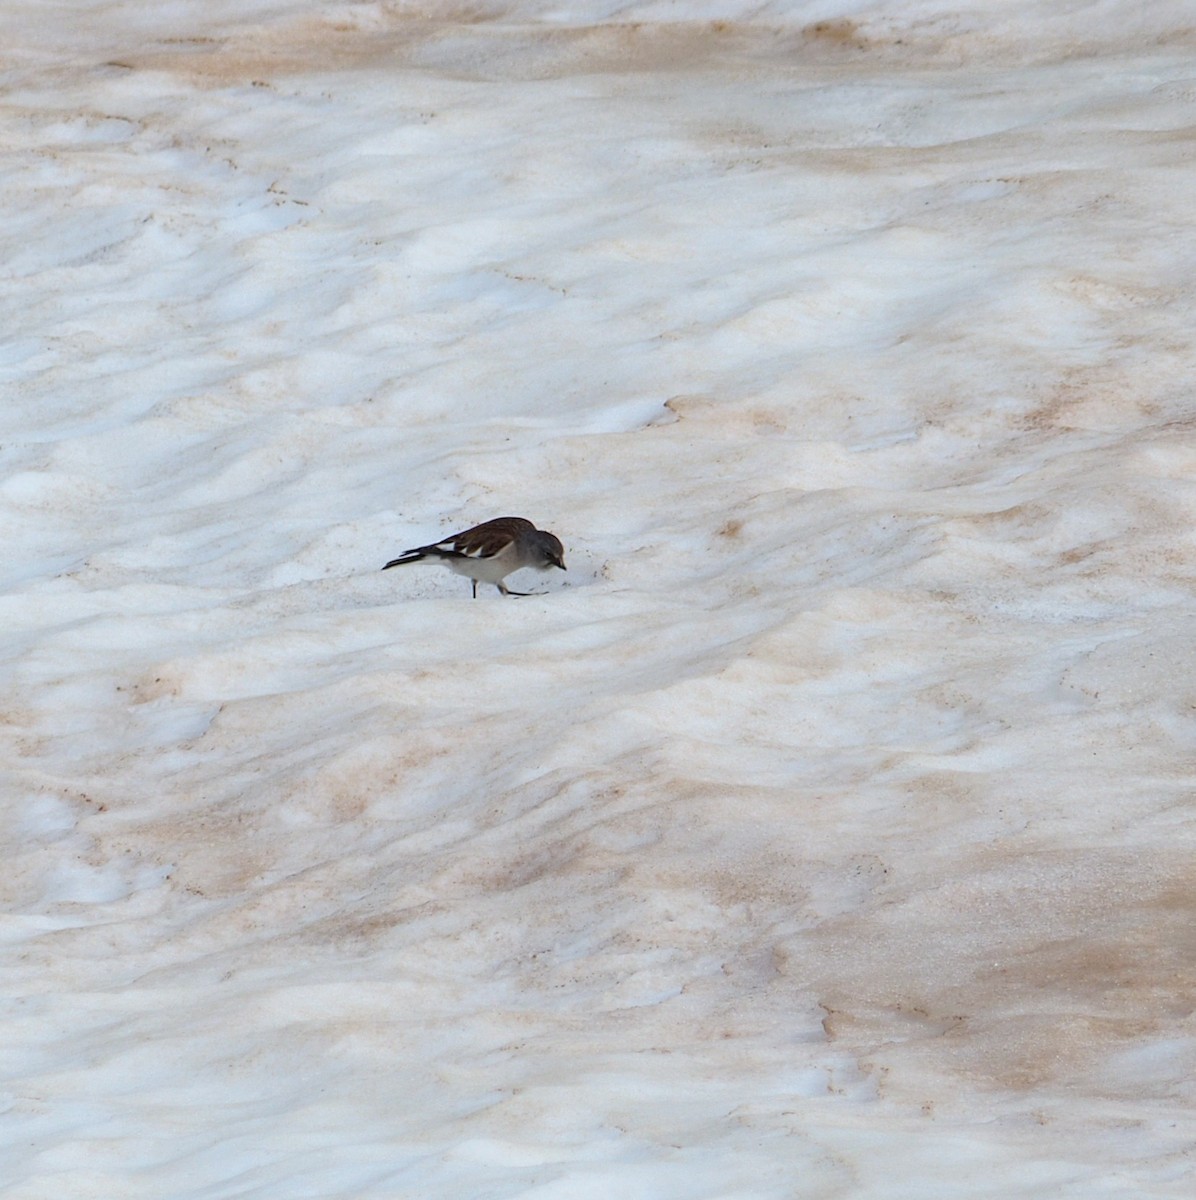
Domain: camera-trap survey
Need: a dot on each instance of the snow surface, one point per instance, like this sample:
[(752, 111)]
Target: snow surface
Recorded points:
[(827, 830)]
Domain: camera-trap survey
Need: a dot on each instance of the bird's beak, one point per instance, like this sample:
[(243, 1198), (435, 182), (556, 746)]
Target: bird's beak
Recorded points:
[(560, 562)]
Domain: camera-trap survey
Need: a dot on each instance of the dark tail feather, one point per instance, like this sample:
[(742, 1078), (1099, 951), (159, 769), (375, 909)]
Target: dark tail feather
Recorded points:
[(408, 556), (422, 552)]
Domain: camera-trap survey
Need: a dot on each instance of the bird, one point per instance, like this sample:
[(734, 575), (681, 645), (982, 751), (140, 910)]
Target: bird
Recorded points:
[(489, 552)]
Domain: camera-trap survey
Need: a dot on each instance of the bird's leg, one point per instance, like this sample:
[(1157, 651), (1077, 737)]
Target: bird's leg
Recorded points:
[(475, 589)]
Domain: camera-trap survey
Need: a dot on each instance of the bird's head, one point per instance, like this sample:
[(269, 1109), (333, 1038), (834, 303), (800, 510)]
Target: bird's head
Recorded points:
[(554, 552)]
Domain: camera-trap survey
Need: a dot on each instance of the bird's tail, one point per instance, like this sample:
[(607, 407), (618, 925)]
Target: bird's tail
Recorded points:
[(408, 556), (422, 552)]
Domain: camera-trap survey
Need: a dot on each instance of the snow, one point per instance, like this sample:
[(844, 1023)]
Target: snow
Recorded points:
[(826, 830)]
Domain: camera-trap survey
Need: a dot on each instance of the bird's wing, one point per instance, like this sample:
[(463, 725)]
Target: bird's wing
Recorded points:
[(489, 539)]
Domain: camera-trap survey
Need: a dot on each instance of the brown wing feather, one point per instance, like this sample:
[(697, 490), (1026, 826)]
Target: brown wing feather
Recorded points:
[(491, 537)]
